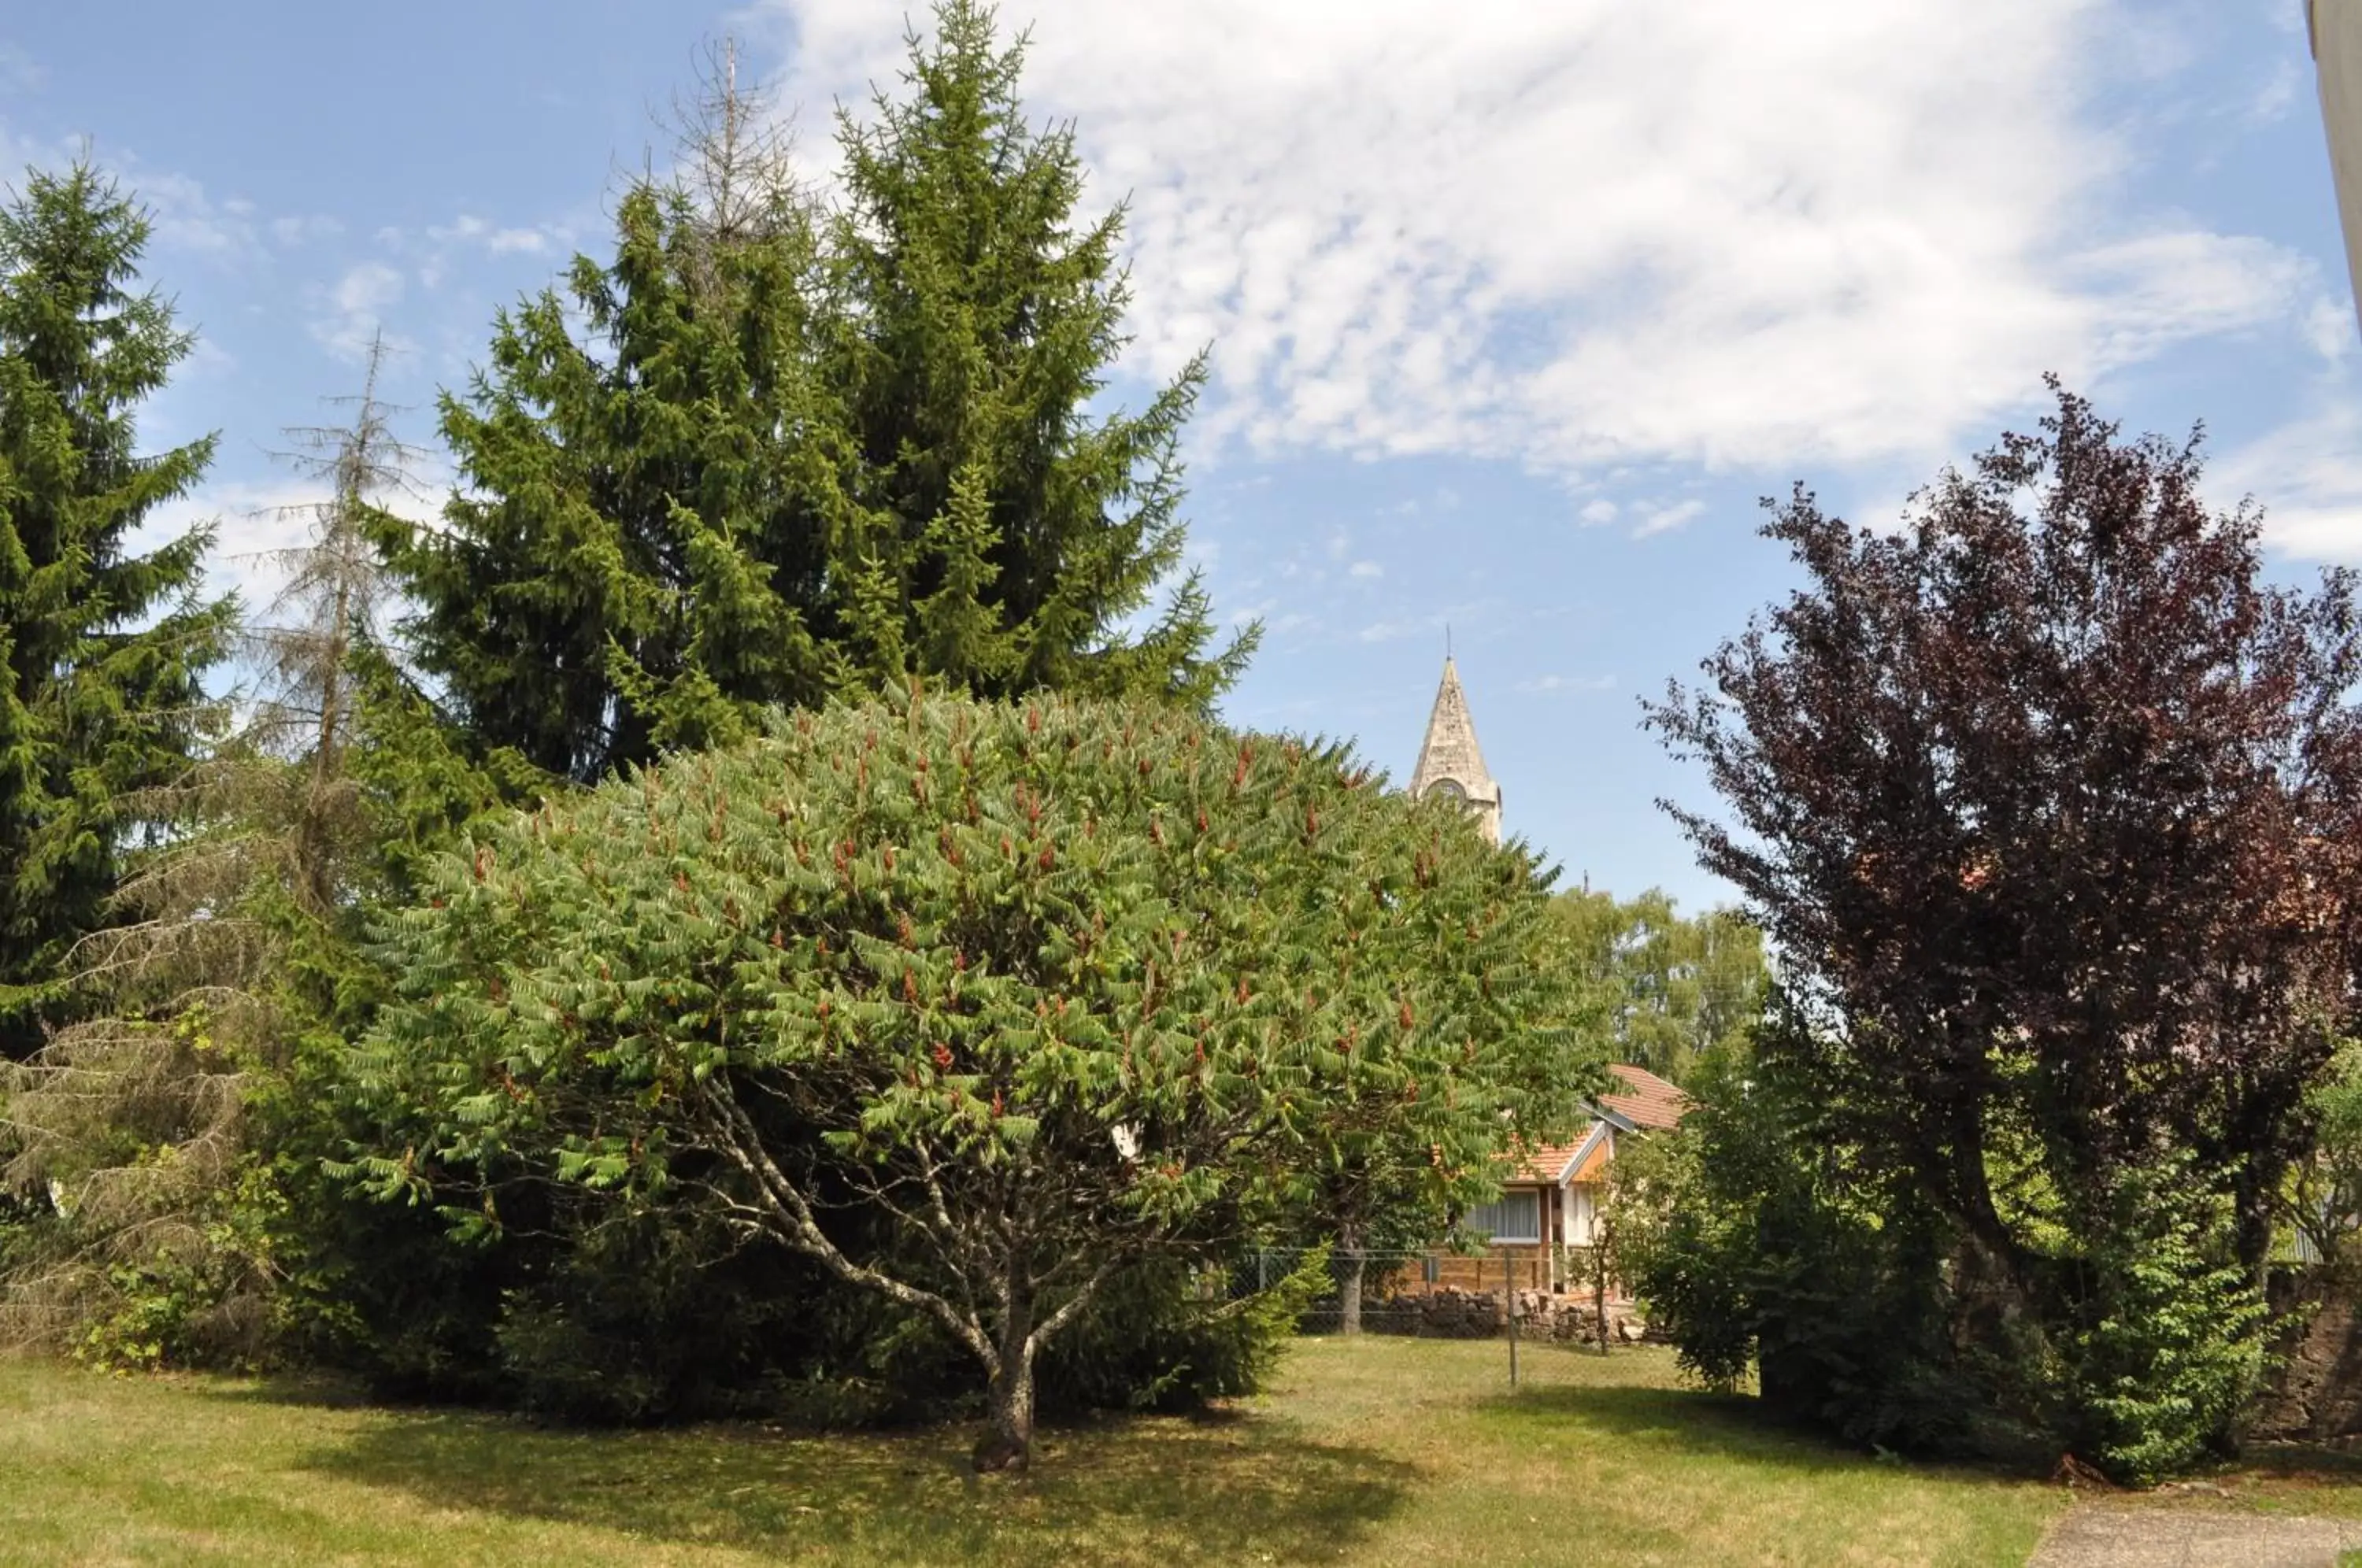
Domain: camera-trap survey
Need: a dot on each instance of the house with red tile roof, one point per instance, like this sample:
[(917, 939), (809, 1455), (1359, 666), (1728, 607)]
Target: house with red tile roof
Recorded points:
[(1547, 1209)]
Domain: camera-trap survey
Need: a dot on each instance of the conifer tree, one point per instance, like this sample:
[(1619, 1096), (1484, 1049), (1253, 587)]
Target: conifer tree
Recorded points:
[(103, 650), (638, 555), (1004, 536), (133, 1131), (793, 454)]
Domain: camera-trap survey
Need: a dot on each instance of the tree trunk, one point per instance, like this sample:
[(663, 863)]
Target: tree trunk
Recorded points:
[(1349, 1282), (1008, 1443), (2252, 1190)]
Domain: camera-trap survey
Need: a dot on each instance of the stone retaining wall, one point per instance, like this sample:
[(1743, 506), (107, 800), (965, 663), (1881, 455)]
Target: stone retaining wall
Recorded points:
[(1450, 1312), (2316, 1393)]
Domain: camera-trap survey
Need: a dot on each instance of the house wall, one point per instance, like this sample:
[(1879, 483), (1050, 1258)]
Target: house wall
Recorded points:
[(1558, 1263), (2337, 51), (1529, 1268), (1555, 1263), (1582, 1199)]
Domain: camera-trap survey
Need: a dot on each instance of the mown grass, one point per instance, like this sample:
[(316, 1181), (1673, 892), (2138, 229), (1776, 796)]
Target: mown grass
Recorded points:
[(1376, 1452)]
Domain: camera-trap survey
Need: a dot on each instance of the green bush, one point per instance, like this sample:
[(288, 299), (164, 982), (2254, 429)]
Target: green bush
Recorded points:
[(1754, 1254), (1763, 1242), (1168, 1337), (2165, 1343)]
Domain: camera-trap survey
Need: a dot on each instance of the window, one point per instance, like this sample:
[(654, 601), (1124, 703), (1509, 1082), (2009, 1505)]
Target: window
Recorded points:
[(1517, 1217)]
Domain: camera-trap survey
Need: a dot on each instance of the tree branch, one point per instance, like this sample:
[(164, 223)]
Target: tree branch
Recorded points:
[(741, 1143)]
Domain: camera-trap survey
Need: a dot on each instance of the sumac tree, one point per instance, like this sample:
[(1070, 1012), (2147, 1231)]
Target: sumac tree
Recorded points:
[(979, 1005)]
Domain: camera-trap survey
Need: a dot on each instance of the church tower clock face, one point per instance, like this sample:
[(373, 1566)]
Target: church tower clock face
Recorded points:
[(1450, 788)]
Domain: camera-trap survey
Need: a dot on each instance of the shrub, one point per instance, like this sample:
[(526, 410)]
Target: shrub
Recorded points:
[(979, 1007), (1766, 1240)]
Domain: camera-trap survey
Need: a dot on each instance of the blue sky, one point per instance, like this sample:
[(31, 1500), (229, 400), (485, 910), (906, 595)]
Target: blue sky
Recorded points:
[(1515, 308)]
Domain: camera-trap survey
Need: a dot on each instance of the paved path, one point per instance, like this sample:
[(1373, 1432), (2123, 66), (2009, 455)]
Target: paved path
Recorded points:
[(2121, 1535)]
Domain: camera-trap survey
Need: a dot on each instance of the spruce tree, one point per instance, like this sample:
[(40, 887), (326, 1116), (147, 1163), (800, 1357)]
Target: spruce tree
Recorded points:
[(637, 557), (159, 1136), (1006, 534), (768, 455), (102, 649)]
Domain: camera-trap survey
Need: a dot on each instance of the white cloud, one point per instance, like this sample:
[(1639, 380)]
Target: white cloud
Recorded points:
[(354, 308), (1592, 232), (2329, 327), (207, 360), (1664, 517), (2162, 287), (184, 219), (2308, 474), (187, 219), (1598, 514), (256, 519), (1368, 569), (440, 249), (1276, 622), (1542, 685), (462, 229), (467, 229), (251, 521), (2280, 93), (19, 72)]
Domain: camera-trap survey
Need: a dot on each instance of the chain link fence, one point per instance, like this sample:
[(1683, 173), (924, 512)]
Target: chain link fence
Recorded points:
[(1458, 1296)]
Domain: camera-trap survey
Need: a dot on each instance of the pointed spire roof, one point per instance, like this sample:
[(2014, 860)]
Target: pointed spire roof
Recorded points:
[(1450, 754), (1450, 750)]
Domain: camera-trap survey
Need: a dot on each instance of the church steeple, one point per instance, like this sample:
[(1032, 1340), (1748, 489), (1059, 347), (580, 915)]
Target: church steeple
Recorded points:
[(1451, 762)]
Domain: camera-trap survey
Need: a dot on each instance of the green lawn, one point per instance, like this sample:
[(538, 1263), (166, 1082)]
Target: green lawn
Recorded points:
[(1378, 1452)]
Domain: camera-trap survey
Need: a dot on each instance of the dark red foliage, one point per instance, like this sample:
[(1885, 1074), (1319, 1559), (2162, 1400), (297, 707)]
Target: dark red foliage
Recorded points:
[(2050, 803)]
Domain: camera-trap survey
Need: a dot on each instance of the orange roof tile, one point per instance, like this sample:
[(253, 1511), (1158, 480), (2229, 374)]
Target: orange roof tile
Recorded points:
[(1648, 1101), (1546, 1162)]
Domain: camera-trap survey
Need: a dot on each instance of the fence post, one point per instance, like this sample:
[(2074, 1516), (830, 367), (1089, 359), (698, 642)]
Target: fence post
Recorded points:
[(1509, 1277)]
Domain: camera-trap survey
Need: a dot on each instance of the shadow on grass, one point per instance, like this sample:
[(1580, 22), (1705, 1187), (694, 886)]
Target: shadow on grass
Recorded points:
[(2310, 1461), (1727, 1427), (1148, 1491), (2300, 1475)]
